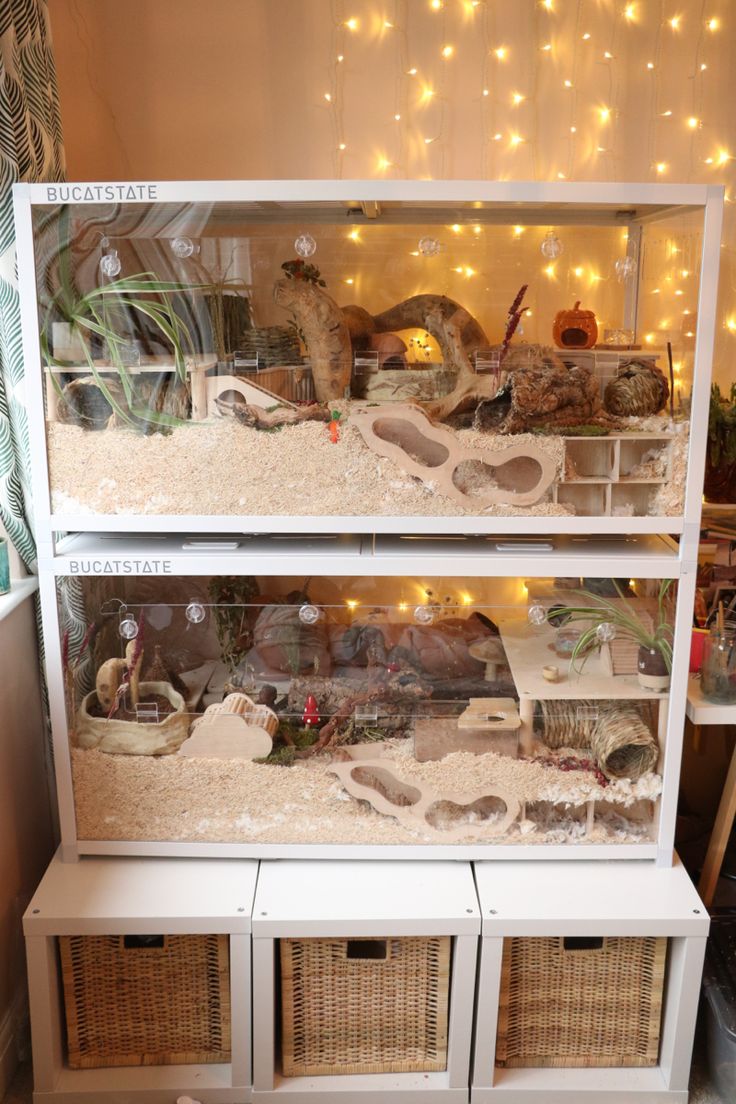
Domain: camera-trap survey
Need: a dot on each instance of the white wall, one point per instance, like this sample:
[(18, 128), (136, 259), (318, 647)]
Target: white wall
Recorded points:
[(182, 89)]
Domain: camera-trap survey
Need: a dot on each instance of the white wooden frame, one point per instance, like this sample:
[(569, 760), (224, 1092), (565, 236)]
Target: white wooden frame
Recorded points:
[(312, 900), (642, 557), (618, 899), (138, 896), (500, 202)]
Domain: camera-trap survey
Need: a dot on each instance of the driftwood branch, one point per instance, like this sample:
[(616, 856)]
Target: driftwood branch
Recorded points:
[(256, 417)]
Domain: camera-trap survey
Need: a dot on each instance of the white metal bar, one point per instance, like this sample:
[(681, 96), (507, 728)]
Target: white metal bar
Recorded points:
[(704, 343), (486, 1015), (684, 972), (675, 719), (307, 524), (578, 1086), (240, 1010), (515, 194), (365, 1088), (456, 852), (33, 372), (462, 998), (57, 710), (45, 1007), (264, 1014)]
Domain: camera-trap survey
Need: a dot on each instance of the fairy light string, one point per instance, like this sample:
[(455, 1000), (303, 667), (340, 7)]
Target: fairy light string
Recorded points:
[(611, 75)]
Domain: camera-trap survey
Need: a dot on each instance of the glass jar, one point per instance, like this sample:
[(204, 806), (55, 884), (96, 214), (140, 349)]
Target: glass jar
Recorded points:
[(718, 673)]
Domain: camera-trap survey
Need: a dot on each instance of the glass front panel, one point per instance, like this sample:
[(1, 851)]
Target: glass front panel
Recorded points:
[(267, 359), (367, 711)]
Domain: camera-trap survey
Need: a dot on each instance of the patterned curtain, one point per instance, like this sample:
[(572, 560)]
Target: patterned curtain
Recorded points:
[(31, 149)]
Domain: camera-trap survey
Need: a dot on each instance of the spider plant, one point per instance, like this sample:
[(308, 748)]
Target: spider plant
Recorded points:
[(103, 312), (597, 610)]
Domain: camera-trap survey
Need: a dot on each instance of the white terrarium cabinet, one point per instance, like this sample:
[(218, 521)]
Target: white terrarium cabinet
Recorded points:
[(500, 577), (236, 235), (121, 900), (352, 907), (580, 906)]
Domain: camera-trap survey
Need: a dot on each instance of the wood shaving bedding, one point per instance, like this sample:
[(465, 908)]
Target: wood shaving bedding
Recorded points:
[(174, 798)]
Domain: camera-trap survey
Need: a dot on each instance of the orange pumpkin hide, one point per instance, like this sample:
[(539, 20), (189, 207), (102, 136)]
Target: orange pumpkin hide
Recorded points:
[(575, 329)]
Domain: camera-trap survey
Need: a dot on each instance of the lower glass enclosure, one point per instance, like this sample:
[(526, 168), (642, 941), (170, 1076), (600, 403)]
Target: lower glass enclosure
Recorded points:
[(364, 710)]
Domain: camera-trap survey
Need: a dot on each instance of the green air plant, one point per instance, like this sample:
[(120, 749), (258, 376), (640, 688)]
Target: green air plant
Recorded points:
[(101, 313), (595, 611)]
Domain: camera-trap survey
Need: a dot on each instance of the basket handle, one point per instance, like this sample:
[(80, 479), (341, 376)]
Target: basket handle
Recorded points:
[(583, 942), (367, 950), (144, 942)]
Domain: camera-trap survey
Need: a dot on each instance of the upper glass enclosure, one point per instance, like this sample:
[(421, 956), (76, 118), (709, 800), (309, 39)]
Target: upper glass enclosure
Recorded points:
[(327, 351)]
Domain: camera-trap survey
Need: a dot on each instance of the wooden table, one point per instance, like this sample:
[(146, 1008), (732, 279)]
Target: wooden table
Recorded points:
[(702, 712), (529, 649)]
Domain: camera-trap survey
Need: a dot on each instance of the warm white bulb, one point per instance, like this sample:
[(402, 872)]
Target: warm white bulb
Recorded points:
[(516, 140), (485, 92), (650, 65), (517, 98), (448, 51), (567, 83), (675, 21), (629, 11), (693, 123), (661, 167), (501, 53), (412, 72), (573, 130), (397, 117), (547, 46), (712, 24), (605, 114), (435, 5), (586, 36), (341, 146), (328, 97), (351, 24)]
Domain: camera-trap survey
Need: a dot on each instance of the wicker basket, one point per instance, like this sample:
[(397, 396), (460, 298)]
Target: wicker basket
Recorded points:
[(364, 1005), (580, 1002), (274, 345), (146, 1000)]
